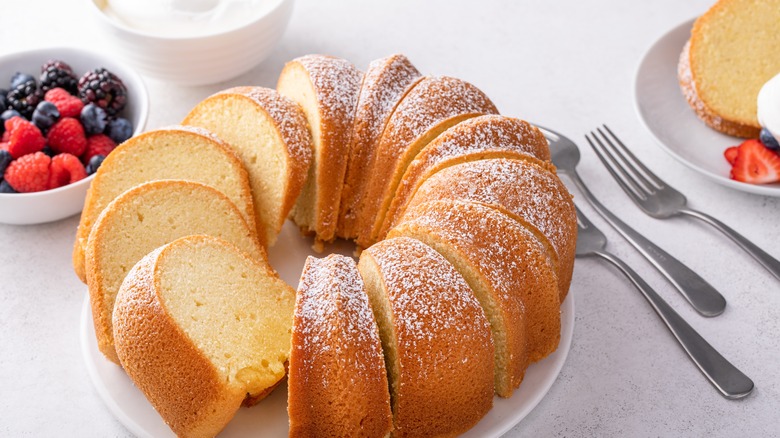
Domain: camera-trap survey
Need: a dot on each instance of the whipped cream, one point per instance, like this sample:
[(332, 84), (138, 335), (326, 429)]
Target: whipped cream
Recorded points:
[(184, 18), (769, 106)]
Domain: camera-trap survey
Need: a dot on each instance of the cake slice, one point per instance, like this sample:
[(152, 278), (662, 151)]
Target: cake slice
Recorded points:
[(327, 89), (337, 382), (176, 152), (200, 327), (386, 81), (501, 260), (479, 138), (270, 135), (427, 110), (144, 218), (436, 339), (530, 194), (732, 52)]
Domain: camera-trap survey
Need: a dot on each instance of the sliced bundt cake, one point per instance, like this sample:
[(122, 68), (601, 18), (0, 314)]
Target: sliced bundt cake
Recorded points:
[(386, 81), (436, 340), (176, 152), (337, 382), (270, 135), (200, 327), (327, 89), (144, 218)]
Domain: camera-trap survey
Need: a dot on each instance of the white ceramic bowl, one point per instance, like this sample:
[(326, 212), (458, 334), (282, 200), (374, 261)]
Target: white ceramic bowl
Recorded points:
[(198, 60), (52, 205)]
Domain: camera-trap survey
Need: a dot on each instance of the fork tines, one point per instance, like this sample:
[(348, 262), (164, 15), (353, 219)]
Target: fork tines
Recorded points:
[(632, 175)]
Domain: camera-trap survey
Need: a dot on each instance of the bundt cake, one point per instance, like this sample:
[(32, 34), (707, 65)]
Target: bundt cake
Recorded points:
[(427, 110), (509, 271), (177, 152), (270, 135), (436, 340), (530, 194), (386, 81), (144, 218), (201, 327), (729, 57), (479, 138), (327, 89), (337, 378)]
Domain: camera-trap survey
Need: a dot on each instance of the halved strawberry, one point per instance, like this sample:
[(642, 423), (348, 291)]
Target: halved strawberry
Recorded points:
[(755, 164), (731, 154)]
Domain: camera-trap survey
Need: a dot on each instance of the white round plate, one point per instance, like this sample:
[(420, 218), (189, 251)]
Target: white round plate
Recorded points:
[(269, 418), (665, 112)]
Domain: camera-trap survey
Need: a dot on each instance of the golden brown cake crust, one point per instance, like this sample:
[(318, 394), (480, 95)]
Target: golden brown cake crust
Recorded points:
[(444, 346), (385, 83), (96, 200), (337, 385), (179, 381), (336, 83), (433, 105), (530, 194), (483, 137)]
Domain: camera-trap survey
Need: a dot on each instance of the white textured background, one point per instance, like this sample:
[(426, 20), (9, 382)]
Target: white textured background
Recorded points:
[(567, 64)]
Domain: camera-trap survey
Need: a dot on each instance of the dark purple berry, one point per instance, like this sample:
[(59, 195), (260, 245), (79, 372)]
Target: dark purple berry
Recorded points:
[(119, 130), (93, 118), (94, 164), (3, 101), (6, 188), (45, 115), (5, 160), (103, 88), (25, 98), (48, 151), (769, 140), (19, 79)]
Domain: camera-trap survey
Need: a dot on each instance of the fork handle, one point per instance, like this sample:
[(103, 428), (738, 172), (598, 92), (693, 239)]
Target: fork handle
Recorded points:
[(767, 261), (727, 379), (700, 294)]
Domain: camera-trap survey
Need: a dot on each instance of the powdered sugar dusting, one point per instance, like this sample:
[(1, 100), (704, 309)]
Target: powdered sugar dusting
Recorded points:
[(337, 83)]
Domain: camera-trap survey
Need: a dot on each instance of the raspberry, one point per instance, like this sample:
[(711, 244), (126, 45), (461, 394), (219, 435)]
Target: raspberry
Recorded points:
[(65, 169), (4, 146), (99, 144), (29, 173), (6, 137), (11, 123), (56, 94), (67, 136), (25, 137), (67, 104)]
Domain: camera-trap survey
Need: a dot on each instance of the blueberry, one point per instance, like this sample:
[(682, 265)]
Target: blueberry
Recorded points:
[(93, 118), (45, 115), (94, 164), (769, 140), (48, 151), (6, 188), (21, 78), (5, 160), (119, 130)]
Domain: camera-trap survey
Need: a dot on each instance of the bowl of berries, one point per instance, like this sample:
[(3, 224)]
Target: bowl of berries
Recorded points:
[(62, 110)]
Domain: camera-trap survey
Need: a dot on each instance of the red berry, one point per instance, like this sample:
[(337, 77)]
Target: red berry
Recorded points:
[(25, 138), (29, 173), (56, 94), (731, 154), (99, 144), (67, 136), (756, 164), (4, 146), (6, 137), (69, 107), (12, 123), (65, 169)]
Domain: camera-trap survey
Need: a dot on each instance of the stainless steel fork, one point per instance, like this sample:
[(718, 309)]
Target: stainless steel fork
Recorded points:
[(727, 379), (658, 199), (700, 294)]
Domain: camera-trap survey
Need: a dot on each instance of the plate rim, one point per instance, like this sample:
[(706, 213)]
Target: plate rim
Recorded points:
[(554, 362), (765, 190)]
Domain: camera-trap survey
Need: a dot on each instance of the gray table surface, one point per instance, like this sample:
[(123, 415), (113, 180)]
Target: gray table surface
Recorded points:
[(567, 64)]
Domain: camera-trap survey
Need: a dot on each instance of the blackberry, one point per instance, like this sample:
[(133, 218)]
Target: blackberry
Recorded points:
[(25, 98), (45, 115), (103, 88), (56, 74), (94, 164), (19, 79)]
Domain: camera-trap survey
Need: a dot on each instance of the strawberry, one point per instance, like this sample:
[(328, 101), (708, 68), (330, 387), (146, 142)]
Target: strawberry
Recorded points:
[(65, 169), (29, 173), (731, 154), (755, 164)]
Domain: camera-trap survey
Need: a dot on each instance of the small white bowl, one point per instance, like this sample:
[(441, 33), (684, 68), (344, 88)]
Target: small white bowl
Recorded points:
[(198, 60), (62, 202)]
